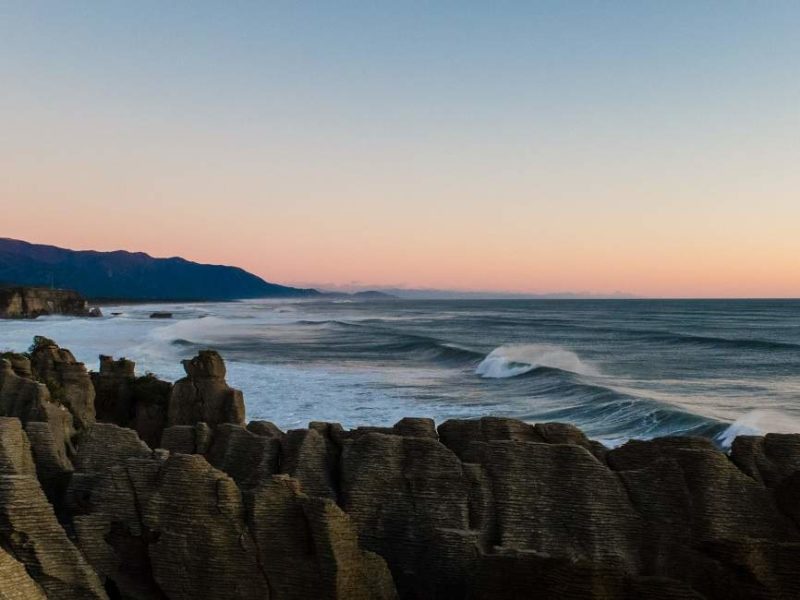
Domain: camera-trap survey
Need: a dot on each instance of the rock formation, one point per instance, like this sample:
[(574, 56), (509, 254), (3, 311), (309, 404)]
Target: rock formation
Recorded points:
[(48, 423), (31, 302), (30, 534), (67, 379), (489, 508), (139, 403), (203, 394)]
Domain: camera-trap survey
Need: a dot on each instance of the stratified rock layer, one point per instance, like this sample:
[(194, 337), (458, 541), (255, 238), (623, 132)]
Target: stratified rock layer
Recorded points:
[(124, 399), (203, 395), (66, 378), (15, 583), (30, 302), (30, 534), (485, 509)]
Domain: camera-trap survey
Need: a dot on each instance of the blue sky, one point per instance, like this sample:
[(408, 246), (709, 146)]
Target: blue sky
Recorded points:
[(447, 144)]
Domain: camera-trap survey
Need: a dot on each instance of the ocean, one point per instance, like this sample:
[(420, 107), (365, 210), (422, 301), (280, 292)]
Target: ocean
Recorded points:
[(618, 369)]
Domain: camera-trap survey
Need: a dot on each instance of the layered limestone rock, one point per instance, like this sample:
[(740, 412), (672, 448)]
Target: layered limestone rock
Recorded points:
[(203, 547), (405, 495), (49, 424), (15, 583), (124, 399), (66, 378), (178, 528), (15, 449), (30, 534), (309, 547), (99, 448), (458, 434), (770, 459), (248, 457), (203, 395), (113, 385), (706, 522), (490, 508), (311, 456), (187, 439), (31, 302)]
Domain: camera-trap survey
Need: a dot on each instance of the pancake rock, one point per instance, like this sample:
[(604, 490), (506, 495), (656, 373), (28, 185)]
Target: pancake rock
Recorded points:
[(66, 378), (493, 508), (203, 395), (31, 302), (30, 534), (15, 583), (124, 399), (48, 423)]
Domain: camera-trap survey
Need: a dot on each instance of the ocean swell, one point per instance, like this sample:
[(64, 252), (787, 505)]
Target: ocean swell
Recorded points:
[(517, 359)]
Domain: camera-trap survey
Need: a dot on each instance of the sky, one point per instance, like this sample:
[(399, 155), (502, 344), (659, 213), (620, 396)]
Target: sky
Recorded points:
[(651, 148)]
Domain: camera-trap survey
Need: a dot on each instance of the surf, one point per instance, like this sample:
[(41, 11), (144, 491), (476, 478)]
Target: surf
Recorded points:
[(512, 360)]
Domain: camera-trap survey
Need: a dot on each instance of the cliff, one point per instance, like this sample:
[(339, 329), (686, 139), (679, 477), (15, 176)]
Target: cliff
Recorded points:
[(31, 302), (209, 506), (132, 275)]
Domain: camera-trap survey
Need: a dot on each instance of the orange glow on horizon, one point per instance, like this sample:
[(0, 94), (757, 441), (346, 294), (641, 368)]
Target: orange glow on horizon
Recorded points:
[(565, 148)]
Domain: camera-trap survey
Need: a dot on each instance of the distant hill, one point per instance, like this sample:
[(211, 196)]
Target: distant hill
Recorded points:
[(436, 294), (372, 295), (132, 275)]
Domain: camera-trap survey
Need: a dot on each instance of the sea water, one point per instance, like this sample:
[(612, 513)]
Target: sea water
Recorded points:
[(617, 369)]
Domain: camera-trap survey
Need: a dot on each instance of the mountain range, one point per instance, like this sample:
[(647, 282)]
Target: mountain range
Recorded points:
[(137, 276)]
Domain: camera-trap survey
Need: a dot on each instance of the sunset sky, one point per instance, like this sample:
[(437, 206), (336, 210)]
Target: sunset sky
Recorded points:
[(645, 147)]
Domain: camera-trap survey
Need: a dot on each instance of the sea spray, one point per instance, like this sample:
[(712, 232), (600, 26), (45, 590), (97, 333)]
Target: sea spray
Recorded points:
[(618, 370), (517, 359), (758, 422)]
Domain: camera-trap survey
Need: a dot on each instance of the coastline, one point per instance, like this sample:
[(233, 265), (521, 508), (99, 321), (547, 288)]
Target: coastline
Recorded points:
[(151, 489), (617, 371)]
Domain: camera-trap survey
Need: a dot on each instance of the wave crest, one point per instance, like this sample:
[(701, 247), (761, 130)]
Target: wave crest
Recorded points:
[(512, 360), (758, 422)]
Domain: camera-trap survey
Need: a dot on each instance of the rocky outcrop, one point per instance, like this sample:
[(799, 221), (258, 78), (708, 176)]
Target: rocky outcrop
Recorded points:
[(15, 449), (15, 583), (48, 424), (409, 500), (490, 508), (31, 302), (309, 547), (706, 522), (203, 395), (248, 457), (66, 378), (30, 534), (113, 385), (139, 403)]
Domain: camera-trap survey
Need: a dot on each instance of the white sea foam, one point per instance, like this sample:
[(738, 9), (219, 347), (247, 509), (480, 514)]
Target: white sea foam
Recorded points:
[(758, 422), (193, 330), (516, 359), (292, 372)]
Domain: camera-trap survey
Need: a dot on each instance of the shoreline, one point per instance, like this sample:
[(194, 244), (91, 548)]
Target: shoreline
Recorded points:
[(139, 483)]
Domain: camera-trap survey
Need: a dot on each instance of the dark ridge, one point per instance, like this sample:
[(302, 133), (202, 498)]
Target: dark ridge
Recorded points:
[(133, 276)]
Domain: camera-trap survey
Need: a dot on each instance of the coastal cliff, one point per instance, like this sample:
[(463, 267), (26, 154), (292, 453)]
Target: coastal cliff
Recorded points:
[(119, 486), (19, 302), (132, 275)]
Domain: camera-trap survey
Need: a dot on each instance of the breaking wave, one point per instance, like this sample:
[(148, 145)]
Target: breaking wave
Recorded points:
[(757, 422), (517, 359)]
